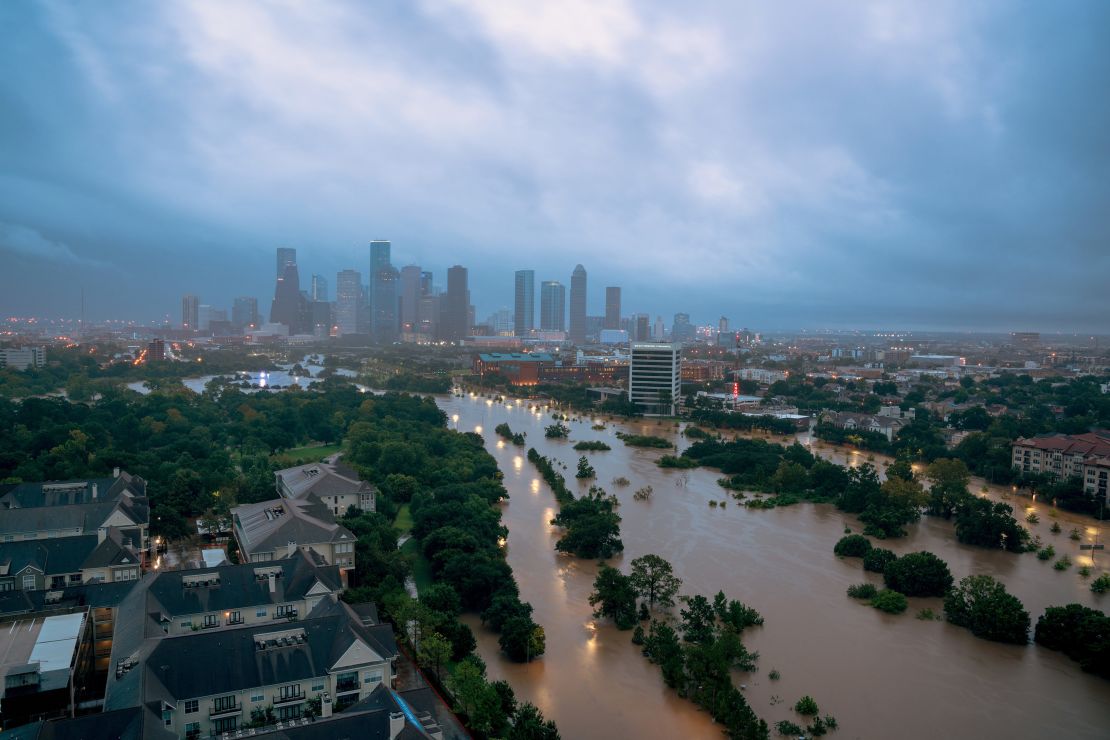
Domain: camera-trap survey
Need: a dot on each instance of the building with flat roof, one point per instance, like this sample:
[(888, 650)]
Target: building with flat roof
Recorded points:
[(655, 377), (41, 659), (521, 368), (22, 358)]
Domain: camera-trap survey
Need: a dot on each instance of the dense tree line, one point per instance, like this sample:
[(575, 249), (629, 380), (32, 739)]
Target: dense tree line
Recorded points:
[(590, 523), (452, 486), (697, 659), (720, 419), (1081, 633), (196, 451)]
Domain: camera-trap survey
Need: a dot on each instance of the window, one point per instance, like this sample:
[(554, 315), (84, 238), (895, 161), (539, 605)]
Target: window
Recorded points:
[(235, 617), (211, 620), (375, 677), (261, 612), (187, 624), (344, 547), (227, 724), (74, 577), (223, 703), (9, 538), (191, 706), (192, 729), (6, 586), (291, 691), (285, 610), (167, 717), (28, 583), (255, 698), (318, 687)]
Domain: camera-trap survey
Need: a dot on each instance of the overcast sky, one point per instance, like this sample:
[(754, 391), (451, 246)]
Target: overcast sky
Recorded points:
[(786, 164)]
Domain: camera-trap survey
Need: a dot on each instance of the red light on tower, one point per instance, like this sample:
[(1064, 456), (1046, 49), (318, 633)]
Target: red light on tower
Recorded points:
[(736, 389)]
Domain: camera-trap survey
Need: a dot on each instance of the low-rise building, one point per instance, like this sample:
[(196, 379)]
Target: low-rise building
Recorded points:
[(42, 662), (271, 530), (520, 368), (34, 565), (336, 486), (53, 509), (236, 595), (1062, 456), (331, 659), (884, 425)]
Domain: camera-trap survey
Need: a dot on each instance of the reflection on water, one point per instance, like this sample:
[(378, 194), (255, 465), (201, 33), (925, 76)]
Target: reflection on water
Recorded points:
[(880, 675)]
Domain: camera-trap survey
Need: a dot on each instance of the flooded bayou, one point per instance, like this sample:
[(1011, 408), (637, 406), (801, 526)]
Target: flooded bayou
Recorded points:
[(879, 675)]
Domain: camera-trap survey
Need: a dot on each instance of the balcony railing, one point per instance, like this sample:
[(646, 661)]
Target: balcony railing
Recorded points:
[(226, 711), (346, 684), (288, 698)]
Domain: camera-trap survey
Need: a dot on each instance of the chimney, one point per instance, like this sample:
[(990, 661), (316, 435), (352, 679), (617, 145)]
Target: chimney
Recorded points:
[(325, 705), (115, 472), (396, 724), (94, 492), (292, 549), (273, 582)]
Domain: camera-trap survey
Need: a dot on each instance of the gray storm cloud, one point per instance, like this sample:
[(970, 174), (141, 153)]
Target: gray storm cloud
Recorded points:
[(787, 164)]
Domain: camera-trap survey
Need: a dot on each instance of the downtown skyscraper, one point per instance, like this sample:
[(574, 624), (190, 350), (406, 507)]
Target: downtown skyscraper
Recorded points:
[(524, 302), (612, 308), (348, 301), (578, 305), (285, 256), (190, 312), (383, 293), (455, 308), (553, 306)]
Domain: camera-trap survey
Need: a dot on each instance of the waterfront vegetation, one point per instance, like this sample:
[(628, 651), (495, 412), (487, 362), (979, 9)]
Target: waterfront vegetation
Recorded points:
[(590, 523), (983, 605), (697, 658), (504, 431), (1081, 633), (592, 446), (558, 430), (491, 709), (644, 440)]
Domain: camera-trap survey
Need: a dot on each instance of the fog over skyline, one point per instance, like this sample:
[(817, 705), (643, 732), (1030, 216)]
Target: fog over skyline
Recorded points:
[(794, 164)]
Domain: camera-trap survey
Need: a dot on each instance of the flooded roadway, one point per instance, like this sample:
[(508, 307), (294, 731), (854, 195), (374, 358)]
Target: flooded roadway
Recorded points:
[(879, 675)]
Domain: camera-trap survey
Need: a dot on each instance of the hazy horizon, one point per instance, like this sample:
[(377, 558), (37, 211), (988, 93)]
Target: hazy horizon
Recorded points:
[(866, 166)]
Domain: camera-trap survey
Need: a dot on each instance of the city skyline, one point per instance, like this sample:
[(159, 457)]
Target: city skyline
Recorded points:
[(921, 180)]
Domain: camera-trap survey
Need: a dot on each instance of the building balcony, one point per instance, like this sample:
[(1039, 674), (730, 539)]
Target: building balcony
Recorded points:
[(288, 698), (347, 684), (215, 713)]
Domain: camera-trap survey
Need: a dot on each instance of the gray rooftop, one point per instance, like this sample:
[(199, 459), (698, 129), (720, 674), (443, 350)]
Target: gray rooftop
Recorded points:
[(272, 525)]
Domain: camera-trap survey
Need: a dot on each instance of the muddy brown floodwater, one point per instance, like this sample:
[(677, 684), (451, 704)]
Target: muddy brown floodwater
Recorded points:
[(881, 676)]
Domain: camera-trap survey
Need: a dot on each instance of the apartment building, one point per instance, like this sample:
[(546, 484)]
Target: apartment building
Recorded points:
[(271, 530), (326, 662), (336, 486), (38, 564), (1063, 456), (55, 509), (236, 595)]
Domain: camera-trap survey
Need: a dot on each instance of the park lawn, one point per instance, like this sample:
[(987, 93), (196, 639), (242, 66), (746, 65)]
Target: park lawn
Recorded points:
[(311, 453), (421, 568), (403, 522)]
